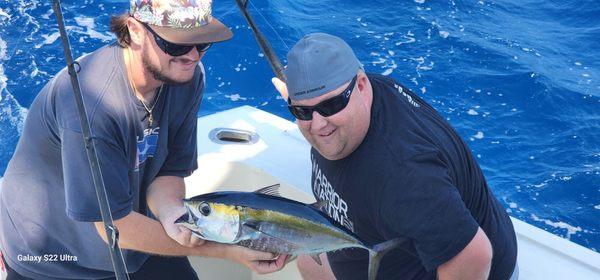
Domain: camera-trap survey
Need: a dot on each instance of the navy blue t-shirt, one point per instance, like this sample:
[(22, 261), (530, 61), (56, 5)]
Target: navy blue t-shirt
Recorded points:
[(411, 177), (47, 199)]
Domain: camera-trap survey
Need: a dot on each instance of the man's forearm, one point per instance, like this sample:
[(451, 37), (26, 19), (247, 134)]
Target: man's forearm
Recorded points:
[(472, 263), (140, 233)]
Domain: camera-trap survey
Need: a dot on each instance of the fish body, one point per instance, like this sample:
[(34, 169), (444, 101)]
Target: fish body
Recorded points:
[(265, 221)]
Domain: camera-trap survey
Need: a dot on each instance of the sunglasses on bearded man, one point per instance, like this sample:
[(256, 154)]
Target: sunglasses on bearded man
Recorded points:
[(325, 108), (173, 49)]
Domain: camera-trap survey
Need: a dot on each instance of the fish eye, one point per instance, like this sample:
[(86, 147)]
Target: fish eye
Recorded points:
[(204, 209)]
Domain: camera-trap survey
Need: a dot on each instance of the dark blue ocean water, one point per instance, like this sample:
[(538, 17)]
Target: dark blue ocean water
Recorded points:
[(520, 80)]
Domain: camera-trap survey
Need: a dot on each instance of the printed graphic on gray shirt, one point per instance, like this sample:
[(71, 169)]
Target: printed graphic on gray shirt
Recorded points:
[(146, 146)]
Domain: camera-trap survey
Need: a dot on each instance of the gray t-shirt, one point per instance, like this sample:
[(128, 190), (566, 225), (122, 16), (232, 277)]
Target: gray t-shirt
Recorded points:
[(48, 201)]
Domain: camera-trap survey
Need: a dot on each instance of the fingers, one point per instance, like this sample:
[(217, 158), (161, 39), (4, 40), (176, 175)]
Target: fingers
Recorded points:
[(186, 238), (195, 241), (290, 258), (281, 87), (258, 261), (282, 260), (264, 267), (258, 255), (269, 266)]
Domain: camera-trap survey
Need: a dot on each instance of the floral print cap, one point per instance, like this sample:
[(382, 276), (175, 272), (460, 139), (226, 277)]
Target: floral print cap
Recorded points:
[(181, 21)]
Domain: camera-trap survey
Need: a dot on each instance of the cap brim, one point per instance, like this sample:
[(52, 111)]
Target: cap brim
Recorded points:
[(215, 31)]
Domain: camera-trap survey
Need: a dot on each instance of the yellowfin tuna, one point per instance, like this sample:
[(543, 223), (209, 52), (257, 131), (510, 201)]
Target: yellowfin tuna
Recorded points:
[(265, 221)]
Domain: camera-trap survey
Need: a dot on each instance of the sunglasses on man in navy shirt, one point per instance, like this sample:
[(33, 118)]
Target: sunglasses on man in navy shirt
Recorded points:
[(325, 108)]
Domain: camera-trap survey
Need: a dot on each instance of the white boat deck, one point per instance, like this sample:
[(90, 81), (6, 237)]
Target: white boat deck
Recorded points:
[(281, 155)]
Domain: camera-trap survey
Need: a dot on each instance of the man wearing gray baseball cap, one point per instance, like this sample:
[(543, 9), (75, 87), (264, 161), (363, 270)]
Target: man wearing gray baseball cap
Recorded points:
[(389, 166), (142, 95)]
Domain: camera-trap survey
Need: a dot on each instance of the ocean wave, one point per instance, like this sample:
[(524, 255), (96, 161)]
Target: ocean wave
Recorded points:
[(12, 114)]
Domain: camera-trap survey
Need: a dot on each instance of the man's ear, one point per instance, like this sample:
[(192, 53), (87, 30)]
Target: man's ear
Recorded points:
[(281, 87), (361, 81), (136, 31)]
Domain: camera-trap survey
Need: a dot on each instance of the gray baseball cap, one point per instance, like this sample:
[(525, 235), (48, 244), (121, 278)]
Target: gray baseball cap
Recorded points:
[(318, 64)]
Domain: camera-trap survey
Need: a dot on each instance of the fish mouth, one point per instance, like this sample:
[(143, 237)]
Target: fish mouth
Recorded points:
[(188, 220), (185, 219)]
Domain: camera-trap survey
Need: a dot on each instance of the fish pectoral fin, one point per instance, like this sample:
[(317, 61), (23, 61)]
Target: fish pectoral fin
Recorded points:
[(319, 205), (255, 227), (316, 258), (251, 226), (272, 190)]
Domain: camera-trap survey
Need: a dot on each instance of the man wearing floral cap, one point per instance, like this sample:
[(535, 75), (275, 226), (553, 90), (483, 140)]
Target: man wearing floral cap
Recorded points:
[(142, 94)]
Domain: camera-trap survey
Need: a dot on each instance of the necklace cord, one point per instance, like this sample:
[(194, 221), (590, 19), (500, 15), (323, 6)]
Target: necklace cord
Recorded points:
[(136, 92)]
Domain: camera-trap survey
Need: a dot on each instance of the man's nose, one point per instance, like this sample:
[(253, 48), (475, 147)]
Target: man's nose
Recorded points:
[(194, 54), (318, 121)]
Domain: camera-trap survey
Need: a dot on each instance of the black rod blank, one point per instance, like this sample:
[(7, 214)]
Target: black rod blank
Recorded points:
[(111, 230)]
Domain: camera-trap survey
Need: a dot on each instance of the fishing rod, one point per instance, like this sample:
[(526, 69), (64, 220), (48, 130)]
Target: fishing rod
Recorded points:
[(112, 234), (262, 42)]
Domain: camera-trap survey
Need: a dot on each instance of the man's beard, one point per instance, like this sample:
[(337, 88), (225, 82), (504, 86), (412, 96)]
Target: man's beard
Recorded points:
[(157, 74)]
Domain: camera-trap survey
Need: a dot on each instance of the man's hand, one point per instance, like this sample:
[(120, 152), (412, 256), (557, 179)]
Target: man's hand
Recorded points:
[(165, 197), (178, 233), (259, 262)]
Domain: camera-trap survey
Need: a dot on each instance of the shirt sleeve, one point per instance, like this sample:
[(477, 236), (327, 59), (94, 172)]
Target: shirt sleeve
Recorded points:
[(182, 158), (421, 203), (81, 200), (80, 193)]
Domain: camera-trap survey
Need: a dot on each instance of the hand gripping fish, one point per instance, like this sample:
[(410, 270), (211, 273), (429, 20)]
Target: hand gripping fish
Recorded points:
[(265, 221)]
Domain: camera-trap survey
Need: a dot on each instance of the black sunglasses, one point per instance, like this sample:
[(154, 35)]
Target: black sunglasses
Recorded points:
[(325, 108), (173, 49)]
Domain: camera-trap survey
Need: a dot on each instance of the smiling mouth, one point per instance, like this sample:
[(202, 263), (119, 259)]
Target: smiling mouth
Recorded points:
[(185, 62), (327, 134)]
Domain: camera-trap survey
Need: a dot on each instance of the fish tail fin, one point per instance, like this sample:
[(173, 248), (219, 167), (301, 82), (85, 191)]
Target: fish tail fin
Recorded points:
[(377, 253)]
